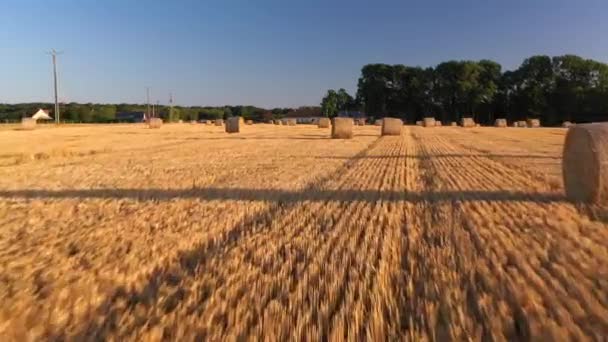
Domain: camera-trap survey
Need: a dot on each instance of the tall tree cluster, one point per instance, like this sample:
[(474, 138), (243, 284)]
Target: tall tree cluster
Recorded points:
[(563, 88)]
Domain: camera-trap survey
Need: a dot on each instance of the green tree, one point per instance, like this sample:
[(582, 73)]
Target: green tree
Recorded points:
[(330, 103)]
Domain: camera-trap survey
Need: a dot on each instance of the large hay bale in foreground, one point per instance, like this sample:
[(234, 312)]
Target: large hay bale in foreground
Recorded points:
[(219, 122), (323, 123), (391, 126), (378, 122), (500, 123), (342, 128), (28, 124), (155, 123), (584, 163), (467, 122), (429, 122), (233, 124), (533, 123)]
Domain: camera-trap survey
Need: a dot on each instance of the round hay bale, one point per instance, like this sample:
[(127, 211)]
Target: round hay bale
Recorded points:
[(219, 122), (28, 124), (323, 123), (438, 124), (454, 124), (342, 128), (249, 122), (584, 163), (233, 124), (193, 122), (500, 123), (467, 122), (277, 122), (155, 123), (360, 122), (477, 125), (429, 122), (533, 123), (180, 121), (378, 122), (391, 126), (567, 124), (419, 123), (292, 122), (521, 124)]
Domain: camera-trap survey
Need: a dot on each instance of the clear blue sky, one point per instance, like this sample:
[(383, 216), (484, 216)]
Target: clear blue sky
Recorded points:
[(268, 52)]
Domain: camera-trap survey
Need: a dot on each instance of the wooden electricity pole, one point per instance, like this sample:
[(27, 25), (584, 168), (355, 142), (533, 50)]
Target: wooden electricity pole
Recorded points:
[(54, 54)]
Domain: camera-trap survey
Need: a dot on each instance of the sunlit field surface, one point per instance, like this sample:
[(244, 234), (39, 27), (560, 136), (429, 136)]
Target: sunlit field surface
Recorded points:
[(185, 232)]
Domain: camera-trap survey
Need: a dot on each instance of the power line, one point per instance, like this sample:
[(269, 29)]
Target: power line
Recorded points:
[(54, 54)]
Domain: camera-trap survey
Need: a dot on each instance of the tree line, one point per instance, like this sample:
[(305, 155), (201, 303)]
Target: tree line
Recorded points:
[(106, 113), (552, 89)]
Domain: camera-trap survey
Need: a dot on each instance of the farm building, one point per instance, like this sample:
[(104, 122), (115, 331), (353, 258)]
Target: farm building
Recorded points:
[(131, 116)]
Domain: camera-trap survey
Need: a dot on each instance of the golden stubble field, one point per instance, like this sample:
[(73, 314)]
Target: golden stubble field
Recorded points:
[(280, 233)]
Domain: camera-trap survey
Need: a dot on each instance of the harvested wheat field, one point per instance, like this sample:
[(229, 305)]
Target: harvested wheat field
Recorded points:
[(282, 233)]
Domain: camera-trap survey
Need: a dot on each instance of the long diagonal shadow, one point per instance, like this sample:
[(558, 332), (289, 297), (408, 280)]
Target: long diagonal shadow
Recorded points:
[(284, 196)]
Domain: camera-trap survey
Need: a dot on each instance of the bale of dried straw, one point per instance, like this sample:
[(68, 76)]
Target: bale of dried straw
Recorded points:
[(467, 122), (360, 122), (277, 122), (567, 124), (429, 122), (342, 128), (193, 122), (391, 126), (219, 122), (438, 124), (155, 122), (521, 124), (378, 122), (233, 124), (584, 163), (249, 122), (28, 123), (533, 123), (500, 123), (292, 122), (323, 123), (419, 123), (453, 123)]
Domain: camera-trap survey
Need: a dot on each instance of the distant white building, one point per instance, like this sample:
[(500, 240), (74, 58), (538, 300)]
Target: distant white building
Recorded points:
[(42, 114)]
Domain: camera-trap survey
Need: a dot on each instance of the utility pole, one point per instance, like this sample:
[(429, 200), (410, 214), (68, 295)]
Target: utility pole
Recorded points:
[(54, 54), (148, 104), (170, 106)]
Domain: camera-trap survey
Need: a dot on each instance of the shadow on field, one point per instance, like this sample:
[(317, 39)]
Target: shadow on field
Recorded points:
[(284, 196), (437, 156)]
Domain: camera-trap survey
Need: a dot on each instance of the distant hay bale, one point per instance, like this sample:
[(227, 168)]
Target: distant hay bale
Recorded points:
[(378, 122), (210, 122), (391, 126), (249, 122), (233, 124), (521, 124), (477, 125), (193, 122), (323, 123), (155, 123), (28, 124), (342, 128), (360, 122), (419, 123), (292, 122), (277, 122), (180, 121), (219, 122), (584, 163), (429, 122), (453, 123), (500, 123), (567, 124), (533, 123), (438, 124), (467, 122), (271, 122)]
